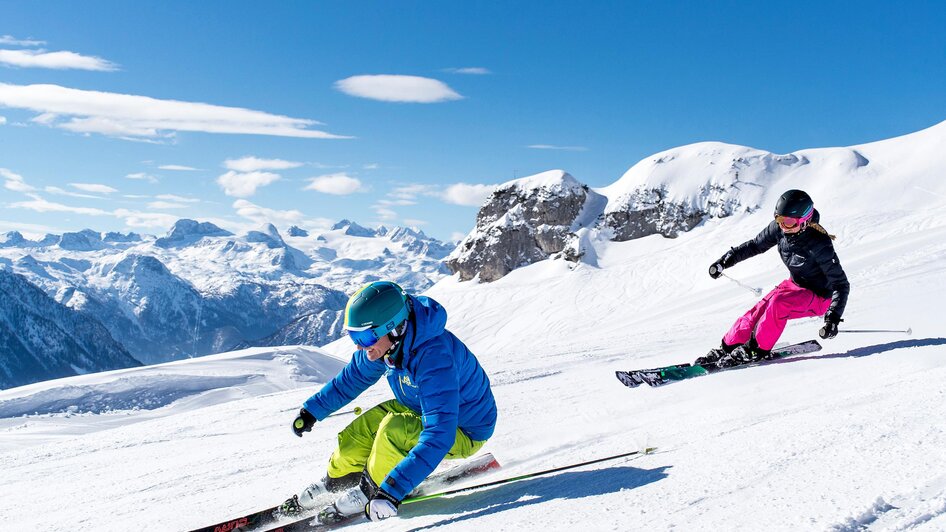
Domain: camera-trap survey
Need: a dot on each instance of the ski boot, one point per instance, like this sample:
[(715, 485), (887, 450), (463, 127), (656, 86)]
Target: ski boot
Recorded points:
[(714, 355), (316, 494), (350, 503), (746, 353)]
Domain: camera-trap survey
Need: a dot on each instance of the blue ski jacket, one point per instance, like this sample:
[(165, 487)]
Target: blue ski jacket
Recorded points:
[(437, 377)]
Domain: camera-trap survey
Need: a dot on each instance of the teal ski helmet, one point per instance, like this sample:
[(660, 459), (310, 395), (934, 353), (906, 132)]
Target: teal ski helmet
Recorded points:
[(375, 310)]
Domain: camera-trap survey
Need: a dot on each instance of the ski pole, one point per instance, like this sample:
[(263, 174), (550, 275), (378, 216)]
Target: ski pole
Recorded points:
[(756, 291), (907, 332), (648, 450)]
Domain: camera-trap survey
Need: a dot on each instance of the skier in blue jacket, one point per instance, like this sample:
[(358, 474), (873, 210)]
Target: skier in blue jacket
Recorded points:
[(443, 406)]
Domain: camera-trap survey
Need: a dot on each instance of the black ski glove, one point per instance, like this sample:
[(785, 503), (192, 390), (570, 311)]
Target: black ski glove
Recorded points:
[(715, 270), (830, 329), (303, 422)]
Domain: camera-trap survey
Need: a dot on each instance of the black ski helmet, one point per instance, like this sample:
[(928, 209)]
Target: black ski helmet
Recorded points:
[(795, 204)]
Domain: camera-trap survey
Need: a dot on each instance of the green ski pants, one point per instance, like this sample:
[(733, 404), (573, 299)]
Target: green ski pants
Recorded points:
[(380, 438)]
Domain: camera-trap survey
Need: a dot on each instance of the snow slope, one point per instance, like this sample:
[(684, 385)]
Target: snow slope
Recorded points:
[(849, 439)]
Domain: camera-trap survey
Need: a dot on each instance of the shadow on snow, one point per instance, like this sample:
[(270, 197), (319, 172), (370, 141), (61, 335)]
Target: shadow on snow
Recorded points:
[(570, 485), (867, 350)]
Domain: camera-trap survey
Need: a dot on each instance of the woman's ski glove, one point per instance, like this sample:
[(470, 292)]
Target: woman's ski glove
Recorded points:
[(715, 270), (303, 422), (830, 329), (381, 506)]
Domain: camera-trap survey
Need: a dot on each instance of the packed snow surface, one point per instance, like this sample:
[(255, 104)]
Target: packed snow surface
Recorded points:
[(851, 438)]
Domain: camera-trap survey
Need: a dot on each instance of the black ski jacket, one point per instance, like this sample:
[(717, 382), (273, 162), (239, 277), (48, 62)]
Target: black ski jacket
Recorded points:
[(810, 258)]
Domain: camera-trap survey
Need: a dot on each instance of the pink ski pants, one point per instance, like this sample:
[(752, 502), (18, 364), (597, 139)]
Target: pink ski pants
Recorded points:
[(768, 317)]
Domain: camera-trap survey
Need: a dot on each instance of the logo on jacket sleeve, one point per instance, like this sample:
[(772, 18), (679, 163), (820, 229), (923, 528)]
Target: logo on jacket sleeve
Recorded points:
[(406, 381)]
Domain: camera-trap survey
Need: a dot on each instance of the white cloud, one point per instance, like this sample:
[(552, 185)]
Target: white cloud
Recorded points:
[(254, 164), (385, 214), (142, 176), (469, 195), (145, 219), (177, 168), (336, 184), (14, 181), (369, 166), (457, 237), (3, 120), (176, 198), (63, 192), (261, 215), (13, 41), (131, 116), (55, 60), (552, 147), (166, 205), (244, 185), (39, 204), (390, 88), (93, 187), (414, 222), (476, 71), (411, 192)]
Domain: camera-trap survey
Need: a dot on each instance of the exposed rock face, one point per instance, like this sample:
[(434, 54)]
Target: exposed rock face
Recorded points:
[(653, 214), (523, 222)]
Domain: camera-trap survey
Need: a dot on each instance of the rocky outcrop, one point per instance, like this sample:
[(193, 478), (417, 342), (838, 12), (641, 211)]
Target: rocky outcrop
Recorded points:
[(524, 221)]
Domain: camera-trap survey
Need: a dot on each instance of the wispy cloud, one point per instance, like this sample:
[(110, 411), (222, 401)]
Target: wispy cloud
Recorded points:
[(261, 215), (393, 88), (142, 176), (166, 205), (553, 147), (94, 188), (255, 164), (63, 192), (415, 222), (177, 168), (14, 181), (55, 60), (176, 198), (130, 218), (3, 120), (336, 184), (412, 192), (39, 204), (145, 220), (244, 184), (13, 41), (468, 195), (475, 71), (142, 117)]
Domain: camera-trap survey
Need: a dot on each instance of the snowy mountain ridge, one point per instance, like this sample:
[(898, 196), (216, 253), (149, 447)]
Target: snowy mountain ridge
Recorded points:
[(201, 289)]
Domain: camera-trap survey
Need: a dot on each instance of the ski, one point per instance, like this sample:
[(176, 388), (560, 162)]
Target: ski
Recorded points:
[(312, 523), (471, 468), (679, 372)]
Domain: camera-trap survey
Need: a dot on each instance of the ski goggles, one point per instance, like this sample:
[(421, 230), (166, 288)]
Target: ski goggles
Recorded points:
[(367, 337), (787, 222)]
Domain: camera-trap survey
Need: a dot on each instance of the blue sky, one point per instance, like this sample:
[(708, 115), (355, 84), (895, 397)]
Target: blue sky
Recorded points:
[(124, 116)]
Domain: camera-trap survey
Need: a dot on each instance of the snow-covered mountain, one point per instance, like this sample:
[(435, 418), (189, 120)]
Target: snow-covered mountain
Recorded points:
[(847, 439), (553, 215), (201, 289), (41, 339)]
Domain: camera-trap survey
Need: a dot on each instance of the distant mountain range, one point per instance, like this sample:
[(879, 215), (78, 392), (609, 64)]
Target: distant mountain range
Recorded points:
[(197, 290)]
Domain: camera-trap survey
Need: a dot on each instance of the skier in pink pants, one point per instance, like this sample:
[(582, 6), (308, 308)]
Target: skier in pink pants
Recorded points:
[(818, 285)]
